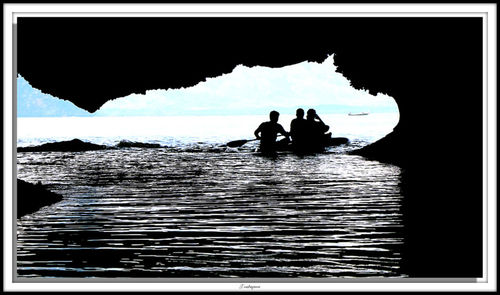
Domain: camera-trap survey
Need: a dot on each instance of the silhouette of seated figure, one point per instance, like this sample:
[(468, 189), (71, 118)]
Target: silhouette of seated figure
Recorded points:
[(316, 129), (268, 131), (298, 131)]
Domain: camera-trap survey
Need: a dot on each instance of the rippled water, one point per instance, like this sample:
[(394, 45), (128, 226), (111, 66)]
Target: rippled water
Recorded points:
[(166, 213)]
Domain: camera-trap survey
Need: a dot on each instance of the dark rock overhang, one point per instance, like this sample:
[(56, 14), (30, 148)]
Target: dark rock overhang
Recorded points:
[(92, 60)]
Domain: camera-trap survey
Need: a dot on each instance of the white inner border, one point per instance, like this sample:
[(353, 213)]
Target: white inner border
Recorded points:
[(486, 11)]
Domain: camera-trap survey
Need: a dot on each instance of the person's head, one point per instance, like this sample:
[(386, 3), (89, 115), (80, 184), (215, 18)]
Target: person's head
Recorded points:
[(311, 114), (274, 115), (300, 113)]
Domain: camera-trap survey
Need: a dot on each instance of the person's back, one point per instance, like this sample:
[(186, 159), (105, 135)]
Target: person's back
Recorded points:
[(298, 130), (315, 131), (268, 131)]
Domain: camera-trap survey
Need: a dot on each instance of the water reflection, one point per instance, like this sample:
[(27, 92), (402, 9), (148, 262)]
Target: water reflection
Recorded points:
[(158, 213)]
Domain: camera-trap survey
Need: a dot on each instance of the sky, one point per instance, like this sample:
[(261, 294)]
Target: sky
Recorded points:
[(32, 102), (245, 91)]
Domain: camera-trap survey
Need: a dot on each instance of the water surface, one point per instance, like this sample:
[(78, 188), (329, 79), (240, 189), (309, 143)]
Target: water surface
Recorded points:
[(171, 213), (195, 208)]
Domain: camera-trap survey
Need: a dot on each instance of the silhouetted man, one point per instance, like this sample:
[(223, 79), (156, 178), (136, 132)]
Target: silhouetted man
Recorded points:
[(316, 131), (268, 132), (298, 129)]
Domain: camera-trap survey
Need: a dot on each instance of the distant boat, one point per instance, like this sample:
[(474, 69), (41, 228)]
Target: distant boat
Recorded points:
[(358, 114)]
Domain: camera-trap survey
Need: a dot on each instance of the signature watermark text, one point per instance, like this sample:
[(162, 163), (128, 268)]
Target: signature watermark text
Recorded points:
[(249, 287)]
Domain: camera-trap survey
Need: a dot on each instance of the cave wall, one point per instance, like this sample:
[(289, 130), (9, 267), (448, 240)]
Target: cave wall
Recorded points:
[(431, 66)]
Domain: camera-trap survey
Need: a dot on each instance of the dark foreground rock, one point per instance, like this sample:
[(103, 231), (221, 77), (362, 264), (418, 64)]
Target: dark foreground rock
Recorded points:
[(74, 145), (32, 197), (128, 144), (389, 149)]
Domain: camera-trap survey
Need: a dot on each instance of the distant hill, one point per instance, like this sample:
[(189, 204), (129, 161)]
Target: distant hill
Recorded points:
[(32, 102)]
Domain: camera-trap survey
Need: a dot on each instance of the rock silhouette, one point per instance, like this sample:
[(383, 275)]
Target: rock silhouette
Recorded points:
[(32, 197), (74, 145), (128, 144)]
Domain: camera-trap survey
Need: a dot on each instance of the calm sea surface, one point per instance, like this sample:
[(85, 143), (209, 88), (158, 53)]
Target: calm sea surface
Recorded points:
[(195, 209)]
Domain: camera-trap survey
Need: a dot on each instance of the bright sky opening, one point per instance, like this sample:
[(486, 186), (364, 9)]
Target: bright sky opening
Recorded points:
[(245, 91)]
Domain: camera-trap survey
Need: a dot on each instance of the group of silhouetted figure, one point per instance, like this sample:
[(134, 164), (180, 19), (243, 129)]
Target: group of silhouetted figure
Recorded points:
[(307, 135)]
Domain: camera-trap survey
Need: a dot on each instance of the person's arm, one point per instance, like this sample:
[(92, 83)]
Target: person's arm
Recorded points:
[(325, 127), (257, 131), (283, 132), (321, 121)]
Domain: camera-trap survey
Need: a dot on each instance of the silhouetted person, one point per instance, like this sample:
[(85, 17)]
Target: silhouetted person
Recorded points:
[(268, 132), (298, 130), (315, 131)]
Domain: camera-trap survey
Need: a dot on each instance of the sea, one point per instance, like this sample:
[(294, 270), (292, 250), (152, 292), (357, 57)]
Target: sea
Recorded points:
[(194, 208)]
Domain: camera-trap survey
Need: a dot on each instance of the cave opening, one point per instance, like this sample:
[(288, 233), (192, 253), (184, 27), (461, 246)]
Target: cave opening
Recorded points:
[(222, 108)]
